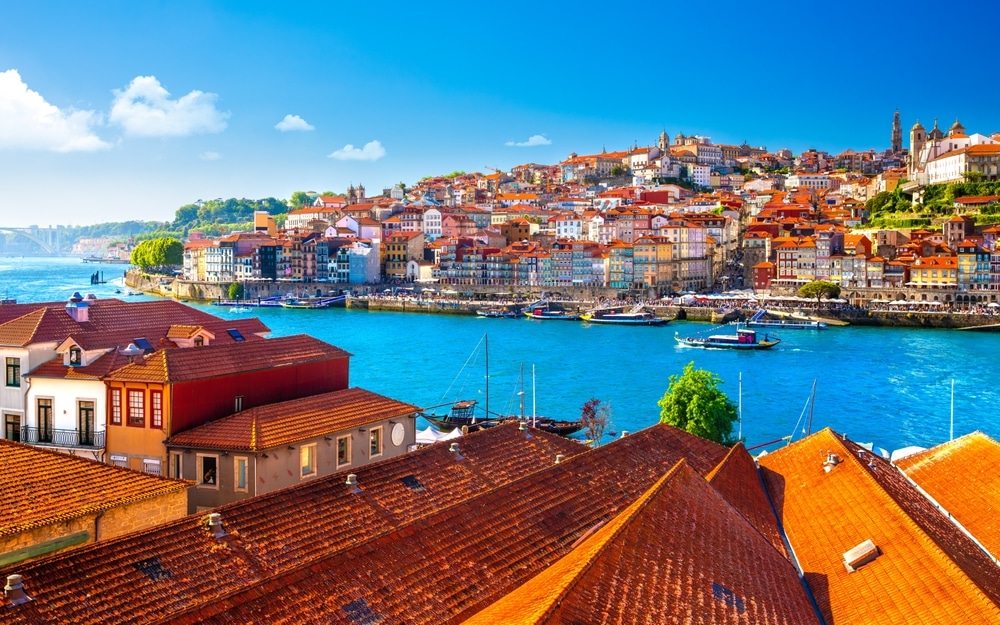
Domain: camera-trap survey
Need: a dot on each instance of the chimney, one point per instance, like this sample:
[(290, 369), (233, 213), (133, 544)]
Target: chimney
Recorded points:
[(352, 483), (14, 590), (453, 448), (832, 460), (560, 458), (215, 524), (78, 308)]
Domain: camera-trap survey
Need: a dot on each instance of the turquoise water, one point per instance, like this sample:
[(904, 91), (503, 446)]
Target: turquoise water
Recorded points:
[(883, 385)]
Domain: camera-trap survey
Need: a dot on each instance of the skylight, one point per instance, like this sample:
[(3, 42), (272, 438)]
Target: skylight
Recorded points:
[(233, 332)]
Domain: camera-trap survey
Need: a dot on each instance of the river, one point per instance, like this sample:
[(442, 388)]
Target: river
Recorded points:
[(890, 386)]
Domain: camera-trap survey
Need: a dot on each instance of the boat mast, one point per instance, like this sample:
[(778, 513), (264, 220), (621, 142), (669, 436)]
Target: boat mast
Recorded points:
[(951, 431), (812, 403), (520, 394), (740, 408), (534, 418), (486, 338)]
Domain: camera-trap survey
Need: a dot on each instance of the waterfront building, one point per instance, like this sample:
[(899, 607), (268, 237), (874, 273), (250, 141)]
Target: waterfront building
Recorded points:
[(621, 263), (400, 248), (973, 264), (934, 272), (263, 449), (654, 263)]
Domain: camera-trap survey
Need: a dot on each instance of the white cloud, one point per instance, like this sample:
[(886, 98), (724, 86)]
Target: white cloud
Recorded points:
[(28, 122), (532, 141), (293, 122), (209, 156), (372, 151), (144, 109)]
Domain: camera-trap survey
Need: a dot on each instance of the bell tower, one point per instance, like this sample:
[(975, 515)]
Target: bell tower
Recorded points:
[(897, 134), (918, 137)]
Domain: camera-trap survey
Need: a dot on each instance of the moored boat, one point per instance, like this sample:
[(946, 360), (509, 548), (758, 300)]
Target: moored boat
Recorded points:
[(638, 315), (758, 320), (743, 339), (546, 310), (497, 313)]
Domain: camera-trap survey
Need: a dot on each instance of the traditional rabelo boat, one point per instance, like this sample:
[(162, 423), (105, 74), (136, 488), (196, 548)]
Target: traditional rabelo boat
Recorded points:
[(743, 339), (638, 315)]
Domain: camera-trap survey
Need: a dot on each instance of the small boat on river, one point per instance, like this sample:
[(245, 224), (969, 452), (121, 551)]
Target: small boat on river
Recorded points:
[(638, 315), (744, 339), (759, 320), (546, 310), (502, 312)]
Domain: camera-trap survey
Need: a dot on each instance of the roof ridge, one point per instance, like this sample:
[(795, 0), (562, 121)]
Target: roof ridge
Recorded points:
[(722, 463), (919, 533)]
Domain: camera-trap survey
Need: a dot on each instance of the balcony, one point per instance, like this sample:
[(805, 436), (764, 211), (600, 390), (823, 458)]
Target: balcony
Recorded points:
[(62, 438)]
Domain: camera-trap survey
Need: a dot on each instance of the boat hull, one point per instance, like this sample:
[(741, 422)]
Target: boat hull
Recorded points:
[(622, 321), (707, 344)]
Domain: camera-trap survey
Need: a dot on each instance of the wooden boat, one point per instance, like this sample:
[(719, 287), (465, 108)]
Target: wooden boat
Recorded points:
[(758, 320), (462, 414), (546, 310), (638, 315), (497, 313), (744, 339)]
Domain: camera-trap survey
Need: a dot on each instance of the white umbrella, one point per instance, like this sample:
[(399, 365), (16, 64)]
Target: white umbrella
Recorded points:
[(428, 436), (993, 305)]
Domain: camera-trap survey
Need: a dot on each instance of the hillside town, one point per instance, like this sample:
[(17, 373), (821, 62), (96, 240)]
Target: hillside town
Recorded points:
[(682, 215)]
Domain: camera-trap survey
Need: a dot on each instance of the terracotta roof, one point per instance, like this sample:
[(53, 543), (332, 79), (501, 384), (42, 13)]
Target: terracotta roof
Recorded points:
[(962, 476), (39, 487), (176, 365), (161, 335), (505, 536), (285, 422), (678, 551), (737, 480), (925, 569), (147, 575)]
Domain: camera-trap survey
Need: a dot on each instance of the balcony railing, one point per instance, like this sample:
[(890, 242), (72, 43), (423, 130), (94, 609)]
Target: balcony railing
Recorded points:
[(62, 438)]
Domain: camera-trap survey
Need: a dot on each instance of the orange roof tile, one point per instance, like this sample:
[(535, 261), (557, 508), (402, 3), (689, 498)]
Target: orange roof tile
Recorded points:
[(175, 365), (39, 487), (285, 422), (826, 514), (678, 549), (962, 476)]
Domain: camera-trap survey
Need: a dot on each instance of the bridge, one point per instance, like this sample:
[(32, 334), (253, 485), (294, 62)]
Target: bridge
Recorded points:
[(46, 238)]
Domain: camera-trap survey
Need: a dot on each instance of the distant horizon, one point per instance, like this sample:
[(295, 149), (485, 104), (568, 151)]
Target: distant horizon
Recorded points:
[(133, 110)]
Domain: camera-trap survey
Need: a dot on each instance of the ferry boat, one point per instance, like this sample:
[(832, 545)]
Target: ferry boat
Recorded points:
[(743, 339), (497, 313), (545, 310), (638, 315), (758, 321)]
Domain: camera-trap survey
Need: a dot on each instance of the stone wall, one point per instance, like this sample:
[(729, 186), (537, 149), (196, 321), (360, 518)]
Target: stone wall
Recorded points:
[(143, 514)]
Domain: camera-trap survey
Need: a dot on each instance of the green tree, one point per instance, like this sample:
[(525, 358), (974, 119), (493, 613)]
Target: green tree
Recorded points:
[(235, 291), (300, 199), (617, 170), (158, 254), (820, 289), (694, 403)]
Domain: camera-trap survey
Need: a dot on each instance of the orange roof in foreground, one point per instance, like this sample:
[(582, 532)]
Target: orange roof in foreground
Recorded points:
[(285, 422), (962, 476), (39, 487), (913, 578), (656, 561)]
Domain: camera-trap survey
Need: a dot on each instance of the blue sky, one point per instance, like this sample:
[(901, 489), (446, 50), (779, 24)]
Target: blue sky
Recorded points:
[(127, 110)]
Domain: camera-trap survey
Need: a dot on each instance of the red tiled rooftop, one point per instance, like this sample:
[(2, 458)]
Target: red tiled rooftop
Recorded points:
[(678, 554), (285, 422), (39, 487), (177, 365)]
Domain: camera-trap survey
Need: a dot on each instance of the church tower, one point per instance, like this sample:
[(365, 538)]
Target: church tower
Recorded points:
[(361, 194), (664, 142), (917, 139), (897, 134)]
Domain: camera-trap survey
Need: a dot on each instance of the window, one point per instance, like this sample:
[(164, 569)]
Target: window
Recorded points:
[(85, 422), (13, 372), (174, 467), (75, 356), (307, 460), (343, 451), (240, 474), (238, 403), (208, 471), (44, 420), (156, 409), (151, 466), (119, 461), (136, 409), (199, 341), (375, 442), (116, 406), (12, 427)]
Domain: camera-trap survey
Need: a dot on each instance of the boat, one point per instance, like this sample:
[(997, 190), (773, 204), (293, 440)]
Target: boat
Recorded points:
[(463, 412), (758, 320), (497, 313), (638, 315), (544, 309), (545, 424), (239, 309), (744, 339), (314, 302)]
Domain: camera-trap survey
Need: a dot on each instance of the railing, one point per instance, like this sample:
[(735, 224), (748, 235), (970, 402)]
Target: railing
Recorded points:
[(62, 438)]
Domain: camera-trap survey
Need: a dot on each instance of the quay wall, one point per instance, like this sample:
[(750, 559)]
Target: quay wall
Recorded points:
[(576, 300)]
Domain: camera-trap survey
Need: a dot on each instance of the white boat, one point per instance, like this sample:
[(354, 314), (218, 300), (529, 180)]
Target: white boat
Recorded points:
[(743, 339), (637, 316), (793, 323)]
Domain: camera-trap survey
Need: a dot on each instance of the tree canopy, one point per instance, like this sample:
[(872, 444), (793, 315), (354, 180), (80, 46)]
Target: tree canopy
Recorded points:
[(158, 254), (595, 416), (820, 289), (219, 211), (694, 403)]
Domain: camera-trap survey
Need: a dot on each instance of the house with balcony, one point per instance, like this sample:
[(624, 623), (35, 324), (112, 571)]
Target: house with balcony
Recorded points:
[(262, 449)]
